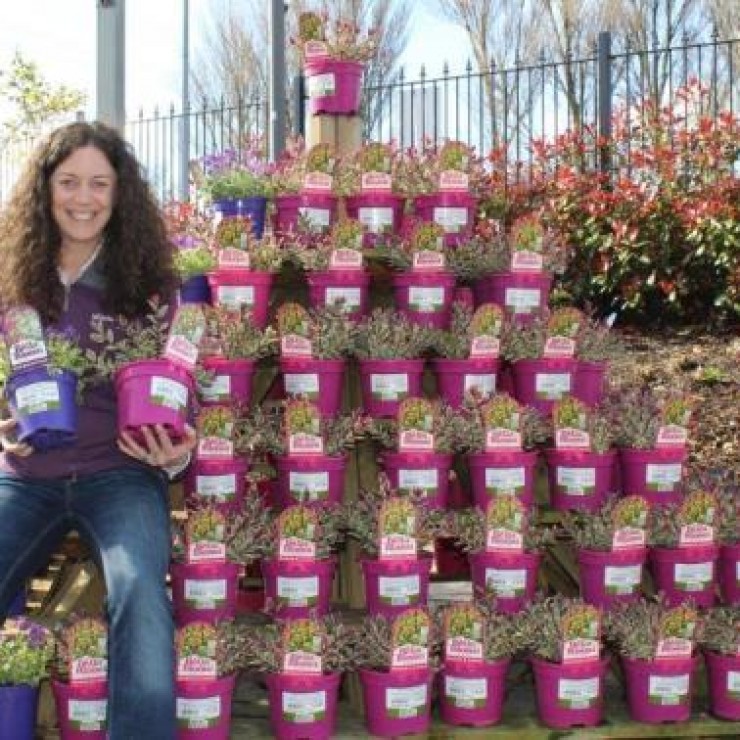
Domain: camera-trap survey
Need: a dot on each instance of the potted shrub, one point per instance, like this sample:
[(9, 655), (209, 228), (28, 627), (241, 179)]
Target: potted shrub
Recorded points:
[(393, 532), (396, 658), (581, 467), (26, 648), (499, 439), (720, 641), (597, 344), (504, 547), (565, 640), (389, 349), (418, 447), (683, 549), (478, 644), (80, 682), (303, 662), (313, 354), (333, 56), (207, 665), (468, 352), (611, 549), (657, 647), (728, 535)]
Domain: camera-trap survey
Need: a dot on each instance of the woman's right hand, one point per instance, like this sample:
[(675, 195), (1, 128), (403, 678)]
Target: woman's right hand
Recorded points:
[(9, 442)]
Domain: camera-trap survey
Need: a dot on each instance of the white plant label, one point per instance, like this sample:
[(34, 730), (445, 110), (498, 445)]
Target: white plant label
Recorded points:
[(350, 298), (485, 384), (399, 590), (409, 701), (298, 591), (376, 220), (319, 218), (578, 693), (622, 579), (389, 386), (217, 390), (88, 715), (426, 299), (37, 397), (522, 300), (576, 481), (205, 593), (321, 86), (235, 296), (309, 706), (309, 486), (425, 480), (669, 690), (220, 488), (168, 393), (733, 684), (505, 481), (198, 714), (452, 220), (302, 384), (692, 576), (552, 386), (662, 478), (506, 583), (466, 693), (737, 571)]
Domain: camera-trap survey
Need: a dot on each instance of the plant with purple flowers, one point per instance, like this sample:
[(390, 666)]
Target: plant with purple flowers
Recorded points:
[(233, 173), (26, 649)]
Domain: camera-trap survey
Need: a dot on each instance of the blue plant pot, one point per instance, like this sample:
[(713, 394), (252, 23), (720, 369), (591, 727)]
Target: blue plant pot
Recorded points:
[(255, 207), (196, 289), (18, 705)]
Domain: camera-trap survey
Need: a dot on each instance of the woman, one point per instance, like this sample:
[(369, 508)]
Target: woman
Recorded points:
[(80, 238)]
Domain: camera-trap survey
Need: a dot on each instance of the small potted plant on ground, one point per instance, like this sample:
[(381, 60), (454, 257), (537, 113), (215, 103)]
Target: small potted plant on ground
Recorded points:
[(658, 650), (720, 641), (610, 547), (396, 658), (564, 637), (683, 549), (597, 344), (389, 349)]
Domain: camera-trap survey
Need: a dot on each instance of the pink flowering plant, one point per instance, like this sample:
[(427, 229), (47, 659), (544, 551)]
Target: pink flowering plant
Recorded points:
[(339, 39)]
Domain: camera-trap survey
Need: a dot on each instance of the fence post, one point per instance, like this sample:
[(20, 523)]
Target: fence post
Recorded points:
[(604, 83), (299, 108), (276, 101)]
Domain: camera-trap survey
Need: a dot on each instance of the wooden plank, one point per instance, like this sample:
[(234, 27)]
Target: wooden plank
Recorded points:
[(322, 129)]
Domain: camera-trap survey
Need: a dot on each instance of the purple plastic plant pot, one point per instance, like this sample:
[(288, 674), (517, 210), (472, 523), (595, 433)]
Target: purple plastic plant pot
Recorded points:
[(313, 480), (385, 383), (204, 592), (334, 85), (654, 474), (319, 208), (303, 705), (522, 295), (327, 287), (505, 472), (210, 697), (510, 576), (456, 377), (299, 588), (425, 298), (570, 694), (218, 482), (684, 573), (454, 211), (539, 383), (578, 479), (729, 574), (378, 211), (253, 207), (18, 709), (237, 289), (590, 382), (659, 690), (611, 577), (321, 381), (153, 392), (392, 586), (724, 693), (420, 471), (81, 709), (232, 381), (472, 694)]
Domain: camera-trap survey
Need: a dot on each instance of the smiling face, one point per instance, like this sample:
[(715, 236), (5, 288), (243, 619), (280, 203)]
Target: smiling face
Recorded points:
[(82, 197)]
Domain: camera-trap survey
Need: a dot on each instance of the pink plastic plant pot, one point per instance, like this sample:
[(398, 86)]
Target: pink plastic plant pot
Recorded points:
[(456, 377), (321, 381), (539, 383), (570, 694), (472, 694), (392, 586), (326, 287), (232, 381), (453, 211), (684, 573), (153, 392), (505, 472), (654, 474), (729, 574), (522, 295), (234, 289), (579, 479), (611, 577), (378, 211), (659, 690), (426, 471), (204, 591), (219, 482), (398, 702), (213, 694), (425, 298), (319, 208), (333, 85), (723, 672), (299, 588), (385, 383), (303, 706), (590, 382), (313, 480), (511, 576), (81, 709)]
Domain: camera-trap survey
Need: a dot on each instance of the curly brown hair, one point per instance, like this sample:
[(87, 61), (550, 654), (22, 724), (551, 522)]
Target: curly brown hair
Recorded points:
[(136, 257)]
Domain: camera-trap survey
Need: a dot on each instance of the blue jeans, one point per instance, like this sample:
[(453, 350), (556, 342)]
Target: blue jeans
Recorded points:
[(123, 515)]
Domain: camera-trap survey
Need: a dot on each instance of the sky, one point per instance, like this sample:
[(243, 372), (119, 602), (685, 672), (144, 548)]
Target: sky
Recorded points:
[(60, 37)]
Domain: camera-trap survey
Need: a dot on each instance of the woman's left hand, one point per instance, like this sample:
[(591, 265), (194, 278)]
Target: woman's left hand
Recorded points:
[(159, 450)]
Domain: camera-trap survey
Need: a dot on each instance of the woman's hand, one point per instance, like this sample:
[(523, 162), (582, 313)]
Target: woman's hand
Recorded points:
[(9, 442), (159, 451)]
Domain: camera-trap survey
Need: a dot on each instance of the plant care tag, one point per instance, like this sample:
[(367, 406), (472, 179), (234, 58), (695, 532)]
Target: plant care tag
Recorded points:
[(196, 652), (87, 644), (205, 536), (416, 425), (231, 258), (581, 630), (556, 347), (309, 486), (186, 332), (399, 590), (428, 260), (294, 328), (297, 528), (676, 633), (345, 259), (303, 428), (453, 181), (506, 521), (300, 591), (672, 435), (168, 393), (526, 261), (568, 438), (693, 535), (485, 346), (293, 345), (24, 338), (502, 418), (630, 519), (397, 522), (389, 386), (302, 644), (696, 515), (215, 426), (315, 50), (410, 633), (376, 181), (503, 439), (463, 633), (318, 182)]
